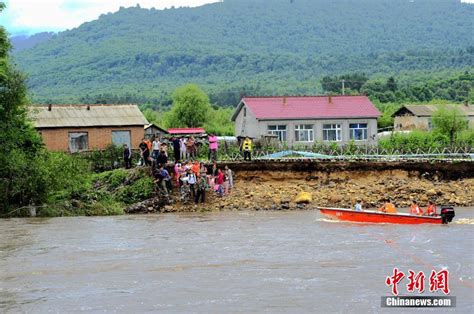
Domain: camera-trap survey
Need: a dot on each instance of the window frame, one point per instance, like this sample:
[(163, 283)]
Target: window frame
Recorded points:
[(336, 127), (281, 131), (307, 129), (70, 138), (365, 131), (121, 144)]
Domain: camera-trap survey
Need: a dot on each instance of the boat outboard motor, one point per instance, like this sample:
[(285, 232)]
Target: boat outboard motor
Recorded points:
[(447, 214)]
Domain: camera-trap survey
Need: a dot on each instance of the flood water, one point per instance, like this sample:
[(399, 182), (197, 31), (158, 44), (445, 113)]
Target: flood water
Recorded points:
[(223, 262)]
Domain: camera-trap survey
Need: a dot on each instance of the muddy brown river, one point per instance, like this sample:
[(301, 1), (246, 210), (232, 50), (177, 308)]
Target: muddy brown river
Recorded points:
[(236, 262)]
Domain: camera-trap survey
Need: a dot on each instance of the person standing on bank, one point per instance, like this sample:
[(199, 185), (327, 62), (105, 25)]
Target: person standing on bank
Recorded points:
[(229, 177), (213, 146), (247, 148), (201, 189), (162, 159), (182, 148), (127, 156), (192, 179), (145, 153), (156, 148), (176, 148), (191, 148)]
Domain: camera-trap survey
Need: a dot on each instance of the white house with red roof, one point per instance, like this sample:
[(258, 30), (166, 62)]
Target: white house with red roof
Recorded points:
[(308, 119)]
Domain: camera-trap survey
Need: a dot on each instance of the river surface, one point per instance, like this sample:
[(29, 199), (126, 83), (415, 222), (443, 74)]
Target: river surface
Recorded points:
[(237, 262)]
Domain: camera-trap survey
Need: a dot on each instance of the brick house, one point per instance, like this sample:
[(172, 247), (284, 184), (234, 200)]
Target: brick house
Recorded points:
[(75, 128), (420, 117), (303, 120)]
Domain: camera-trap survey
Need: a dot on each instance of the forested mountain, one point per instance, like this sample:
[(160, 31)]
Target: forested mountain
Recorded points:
[(248, 46)]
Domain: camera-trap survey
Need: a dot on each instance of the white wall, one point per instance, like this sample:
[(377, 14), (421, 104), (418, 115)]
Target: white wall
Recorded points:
[(248, 125)]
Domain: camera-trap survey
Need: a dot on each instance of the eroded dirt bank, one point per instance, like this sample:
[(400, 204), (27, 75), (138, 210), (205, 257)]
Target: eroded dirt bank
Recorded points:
[(275, 186)]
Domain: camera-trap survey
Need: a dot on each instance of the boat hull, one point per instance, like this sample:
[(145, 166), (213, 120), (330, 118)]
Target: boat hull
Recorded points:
[(378, 217)]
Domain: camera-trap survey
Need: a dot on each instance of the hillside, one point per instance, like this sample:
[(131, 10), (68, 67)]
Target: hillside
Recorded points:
[(248, 46), (23, 42)]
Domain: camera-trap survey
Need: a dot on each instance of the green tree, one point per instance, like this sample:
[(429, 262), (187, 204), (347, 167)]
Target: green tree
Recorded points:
[(449, 122), (153, 116), (219, 121), (190, 107), (21, 179), (392, 84)]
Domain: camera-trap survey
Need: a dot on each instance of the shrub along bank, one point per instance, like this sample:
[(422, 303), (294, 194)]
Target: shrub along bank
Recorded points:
[(73, 189)]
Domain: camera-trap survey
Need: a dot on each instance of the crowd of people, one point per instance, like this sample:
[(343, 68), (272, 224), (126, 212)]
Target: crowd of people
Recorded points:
[(193, 180), (190, 176), (184, 148), (415, 209)]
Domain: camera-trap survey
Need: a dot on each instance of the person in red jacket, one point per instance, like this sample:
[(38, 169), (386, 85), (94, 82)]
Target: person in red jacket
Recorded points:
[(431, 209), (220, 182), (415, 209)]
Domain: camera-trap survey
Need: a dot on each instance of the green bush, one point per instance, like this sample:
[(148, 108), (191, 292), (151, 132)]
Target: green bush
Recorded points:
[(67, 176), (138, 191), (112, 179), (414, 141), (103, 160), (466, 138)]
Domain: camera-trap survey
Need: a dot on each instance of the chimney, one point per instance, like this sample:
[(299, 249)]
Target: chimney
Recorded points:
[(88, 107), (285, 101), (50, 107), (330, 99)]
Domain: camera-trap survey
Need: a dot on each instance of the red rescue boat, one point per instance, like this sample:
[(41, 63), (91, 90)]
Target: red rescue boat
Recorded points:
[(370, 216)]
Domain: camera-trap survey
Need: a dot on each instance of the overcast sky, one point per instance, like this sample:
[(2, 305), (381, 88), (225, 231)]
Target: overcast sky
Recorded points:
[(32, 16)]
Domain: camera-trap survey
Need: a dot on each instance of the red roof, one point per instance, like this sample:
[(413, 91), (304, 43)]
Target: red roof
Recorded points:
[(304, 107), (187, 131)]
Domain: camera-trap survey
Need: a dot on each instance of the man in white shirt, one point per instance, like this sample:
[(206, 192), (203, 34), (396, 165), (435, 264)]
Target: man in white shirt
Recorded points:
[(156, 148)]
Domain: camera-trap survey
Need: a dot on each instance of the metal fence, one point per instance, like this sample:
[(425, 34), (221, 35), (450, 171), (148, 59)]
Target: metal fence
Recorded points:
[(357, 153)]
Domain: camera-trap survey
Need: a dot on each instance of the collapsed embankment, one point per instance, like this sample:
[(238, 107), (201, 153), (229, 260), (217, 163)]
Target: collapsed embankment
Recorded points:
[(269, 185)]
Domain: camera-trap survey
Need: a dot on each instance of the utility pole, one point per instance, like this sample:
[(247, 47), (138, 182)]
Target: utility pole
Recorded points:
[(343, 87)]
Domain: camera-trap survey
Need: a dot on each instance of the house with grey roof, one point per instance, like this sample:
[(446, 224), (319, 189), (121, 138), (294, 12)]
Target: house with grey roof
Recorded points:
[(75, 128), (410, 117)]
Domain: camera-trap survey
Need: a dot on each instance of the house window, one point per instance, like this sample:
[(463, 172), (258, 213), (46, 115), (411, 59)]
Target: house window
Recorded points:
[(332, 132), (358, 131), (430, 124), (304, 133), (121, 137), (78, 141), (278, 130), (245, 112)]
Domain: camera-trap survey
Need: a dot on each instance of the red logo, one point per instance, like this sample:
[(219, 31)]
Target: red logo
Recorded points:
[(416, 281), (439, 281), (394, 280)]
